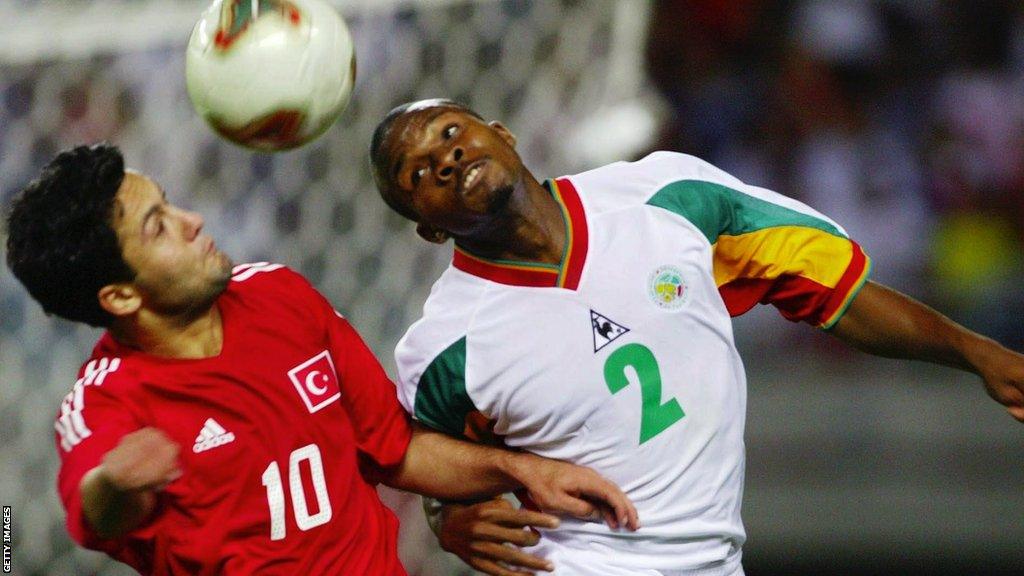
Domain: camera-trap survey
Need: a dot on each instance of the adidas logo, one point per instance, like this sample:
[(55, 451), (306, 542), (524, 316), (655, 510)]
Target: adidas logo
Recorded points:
[(211, 436)]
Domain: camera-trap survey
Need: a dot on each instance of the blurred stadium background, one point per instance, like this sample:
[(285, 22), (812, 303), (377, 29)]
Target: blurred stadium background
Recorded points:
[(902, 119)]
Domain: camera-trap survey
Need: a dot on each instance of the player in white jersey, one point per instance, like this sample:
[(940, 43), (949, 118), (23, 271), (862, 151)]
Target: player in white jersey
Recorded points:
[(587, 318)]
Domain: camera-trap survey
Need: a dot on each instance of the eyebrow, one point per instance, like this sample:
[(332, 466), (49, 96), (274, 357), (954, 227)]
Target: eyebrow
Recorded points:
[(431, 116)]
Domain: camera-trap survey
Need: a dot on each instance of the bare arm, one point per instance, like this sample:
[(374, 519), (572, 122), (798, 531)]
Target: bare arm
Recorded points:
[(442, 467), (112, 512), (120, 494), (884, 322)]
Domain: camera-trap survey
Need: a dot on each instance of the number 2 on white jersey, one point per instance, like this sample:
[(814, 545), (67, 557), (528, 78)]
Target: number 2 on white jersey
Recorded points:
[(275, 492), (655, 416)]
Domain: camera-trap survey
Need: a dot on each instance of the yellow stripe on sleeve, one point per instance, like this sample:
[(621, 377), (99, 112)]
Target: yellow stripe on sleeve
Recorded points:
[(772, 252)]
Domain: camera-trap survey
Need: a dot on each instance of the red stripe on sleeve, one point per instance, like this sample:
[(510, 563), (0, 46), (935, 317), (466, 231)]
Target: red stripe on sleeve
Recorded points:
[(797, 298), (742, 294), (847, 284)]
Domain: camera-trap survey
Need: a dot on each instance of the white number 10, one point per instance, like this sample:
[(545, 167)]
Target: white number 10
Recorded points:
[(275, 492)]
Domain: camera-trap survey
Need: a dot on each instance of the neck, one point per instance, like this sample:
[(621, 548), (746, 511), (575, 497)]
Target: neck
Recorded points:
[(531, 228), (183, 336)]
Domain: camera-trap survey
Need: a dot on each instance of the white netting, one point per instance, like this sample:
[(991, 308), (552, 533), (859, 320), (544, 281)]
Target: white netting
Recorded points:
[(72, 72)]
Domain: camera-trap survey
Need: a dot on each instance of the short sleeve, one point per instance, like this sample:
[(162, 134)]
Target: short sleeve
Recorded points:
[(91, 422), (441, 400), (368, 396), (771, 249)]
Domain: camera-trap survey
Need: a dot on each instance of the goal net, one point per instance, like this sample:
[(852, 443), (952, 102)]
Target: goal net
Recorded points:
[(564, 75)]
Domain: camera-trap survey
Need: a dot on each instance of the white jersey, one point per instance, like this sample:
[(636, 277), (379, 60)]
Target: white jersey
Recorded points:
[(622, 358)]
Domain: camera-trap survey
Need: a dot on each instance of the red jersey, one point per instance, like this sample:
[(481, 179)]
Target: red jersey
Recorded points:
[(279, 436)]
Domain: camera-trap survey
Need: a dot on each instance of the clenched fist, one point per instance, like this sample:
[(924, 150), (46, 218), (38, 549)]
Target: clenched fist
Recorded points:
[(121, 493), (144, 460)]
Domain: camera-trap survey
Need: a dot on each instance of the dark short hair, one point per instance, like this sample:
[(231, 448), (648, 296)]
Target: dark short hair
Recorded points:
[(377, 161), (61, 243)]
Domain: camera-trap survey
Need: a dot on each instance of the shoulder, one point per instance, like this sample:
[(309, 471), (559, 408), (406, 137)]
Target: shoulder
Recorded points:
[(110, 365), (437, 336), (431, 358), (266, 276), (624, 184), (114, 371), (447, 315), (103, 395), (271, 288)]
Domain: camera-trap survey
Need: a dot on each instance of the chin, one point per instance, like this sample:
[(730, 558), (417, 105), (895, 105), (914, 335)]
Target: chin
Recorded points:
[(204, 298), (500, 199), (205, 294), (227, 264)]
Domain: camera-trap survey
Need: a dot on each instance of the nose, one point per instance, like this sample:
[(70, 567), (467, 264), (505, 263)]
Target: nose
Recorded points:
[(193, 223), (448, 162)]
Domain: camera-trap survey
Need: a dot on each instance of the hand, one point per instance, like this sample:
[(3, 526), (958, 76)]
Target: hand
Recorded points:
[(479, 534), (1003, 372), (143, 460), (563, 488)]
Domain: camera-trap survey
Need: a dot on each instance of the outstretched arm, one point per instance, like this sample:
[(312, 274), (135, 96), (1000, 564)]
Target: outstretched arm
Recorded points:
[(884, 322), (443, 467)]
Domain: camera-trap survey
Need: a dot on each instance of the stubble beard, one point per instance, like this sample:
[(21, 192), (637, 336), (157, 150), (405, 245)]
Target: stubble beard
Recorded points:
[(203, 297), (219, 284), (500, 199)]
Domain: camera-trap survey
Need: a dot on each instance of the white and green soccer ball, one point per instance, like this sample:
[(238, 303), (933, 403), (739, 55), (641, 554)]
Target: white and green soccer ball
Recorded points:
[(270, 74)]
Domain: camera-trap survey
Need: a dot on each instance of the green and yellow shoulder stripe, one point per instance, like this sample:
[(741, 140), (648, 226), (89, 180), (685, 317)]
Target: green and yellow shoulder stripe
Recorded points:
[(771, 249)]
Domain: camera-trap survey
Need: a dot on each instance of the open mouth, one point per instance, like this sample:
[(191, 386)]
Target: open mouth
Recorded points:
[(471, 176)]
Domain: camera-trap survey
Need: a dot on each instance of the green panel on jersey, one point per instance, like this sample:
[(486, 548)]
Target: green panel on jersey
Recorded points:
[(441, 398), (718, 210)]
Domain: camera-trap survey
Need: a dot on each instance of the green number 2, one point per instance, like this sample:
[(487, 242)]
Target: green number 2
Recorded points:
[(655, 417)]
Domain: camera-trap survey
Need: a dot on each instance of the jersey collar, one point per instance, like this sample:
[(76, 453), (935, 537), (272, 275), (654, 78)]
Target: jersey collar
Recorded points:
[(534, 274)]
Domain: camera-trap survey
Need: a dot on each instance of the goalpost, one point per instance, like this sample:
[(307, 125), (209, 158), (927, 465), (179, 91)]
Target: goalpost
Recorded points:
[(565, 75)]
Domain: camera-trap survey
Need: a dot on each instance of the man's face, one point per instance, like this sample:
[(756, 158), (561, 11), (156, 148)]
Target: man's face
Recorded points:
[(178, 269), (454, 171)]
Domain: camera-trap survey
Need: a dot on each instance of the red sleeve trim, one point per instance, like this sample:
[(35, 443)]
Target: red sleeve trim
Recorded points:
[(849, 285), (798, 298)]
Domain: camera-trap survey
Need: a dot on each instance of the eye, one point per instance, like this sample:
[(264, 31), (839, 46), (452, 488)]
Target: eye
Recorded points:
[(450, 131), (159, 226), (417, 175)]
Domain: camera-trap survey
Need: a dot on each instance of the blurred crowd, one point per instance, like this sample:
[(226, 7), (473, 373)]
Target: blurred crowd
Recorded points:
[(903, 120)]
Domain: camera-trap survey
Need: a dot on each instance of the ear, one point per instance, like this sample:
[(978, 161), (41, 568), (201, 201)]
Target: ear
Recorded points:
[(504, 132), (120, 299), (431, 234)]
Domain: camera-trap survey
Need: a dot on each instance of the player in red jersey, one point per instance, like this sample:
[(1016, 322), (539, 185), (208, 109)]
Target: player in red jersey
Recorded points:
[(230, 421)]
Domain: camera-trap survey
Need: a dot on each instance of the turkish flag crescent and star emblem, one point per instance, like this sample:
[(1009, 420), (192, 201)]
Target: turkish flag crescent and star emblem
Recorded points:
[(316, 382)]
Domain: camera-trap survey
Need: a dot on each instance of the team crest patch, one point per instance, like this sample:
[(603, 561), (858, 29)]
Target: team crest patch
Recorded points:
[(667, 288)]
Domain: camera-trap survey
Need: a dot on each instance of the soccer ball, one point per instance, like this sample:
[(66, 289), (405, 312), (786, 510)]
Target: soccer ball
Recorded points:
[(270, 74)]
